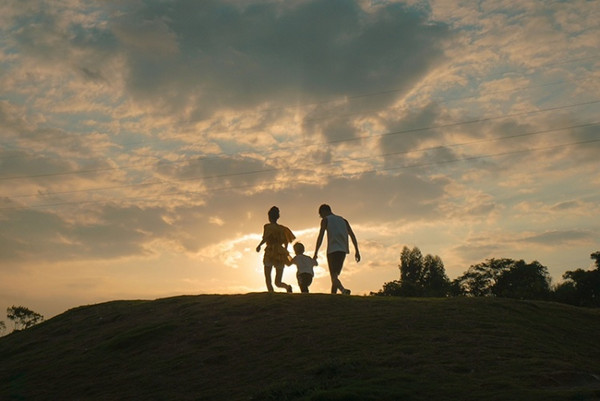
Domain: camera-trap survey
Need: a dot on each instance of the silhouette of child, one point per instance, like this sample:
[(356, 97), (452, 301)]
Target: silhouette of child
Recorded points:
[(277, 237), (304, 264)]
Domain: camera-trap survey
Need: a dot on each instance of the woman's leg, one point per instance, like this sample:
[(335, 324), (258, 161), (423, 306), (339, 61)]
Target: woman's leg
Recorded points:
[(268, 269), (279, 276)]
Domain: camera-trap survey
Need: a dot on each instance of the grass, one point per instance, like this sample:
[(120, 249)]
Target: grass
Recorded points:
[(315, 347)]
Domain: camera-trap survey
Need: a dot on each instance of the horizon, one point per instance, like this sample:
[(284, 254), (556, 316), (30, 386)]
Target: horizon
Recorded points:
[(143, 144)]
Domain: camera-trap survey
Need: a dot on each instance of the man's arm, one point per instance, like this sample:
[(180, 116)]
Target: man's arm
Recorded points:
[(320, 237), (354, 242)]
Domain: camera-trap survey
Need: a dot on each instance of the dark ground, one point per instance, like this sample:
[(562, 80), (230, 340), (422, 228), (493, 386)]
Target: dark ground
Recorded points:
[(307, 347)]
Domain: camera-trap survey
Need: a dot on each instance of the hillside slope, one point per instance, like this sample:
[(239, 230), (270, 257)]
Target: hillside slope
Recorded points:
[(299, 347)]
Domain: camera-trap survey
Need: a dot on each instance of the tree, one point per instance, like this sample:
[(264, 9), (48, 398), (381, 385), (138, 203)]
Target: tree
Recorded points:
[(391, 288), (419, 276), (23, 317), (479, 279), (581, 287), (2, 327), (566, 292), (411, 265), (504, 278), (435, 282), (596, 257), (523, 281)]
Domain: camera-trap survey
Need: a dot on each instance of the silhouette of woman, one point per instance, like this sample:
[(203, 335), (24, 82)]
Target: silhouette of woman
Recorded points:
[(277, 237)]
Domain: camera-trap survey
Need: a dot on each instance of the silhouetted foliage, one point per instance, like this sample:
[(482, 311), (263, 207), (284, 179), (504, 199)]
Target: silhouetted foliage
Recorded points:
[(479, 279), (435, 282), (2, 327), (423, 276), (581, 287), (504, 278), (523, 281), (596, 257), (392, 288), (419, 276), (411, 265), (23, 317)]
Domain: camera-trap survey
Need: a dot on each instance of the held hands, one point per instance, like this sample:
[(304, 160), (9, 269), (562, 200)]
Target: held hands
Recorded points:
[(356, 256)]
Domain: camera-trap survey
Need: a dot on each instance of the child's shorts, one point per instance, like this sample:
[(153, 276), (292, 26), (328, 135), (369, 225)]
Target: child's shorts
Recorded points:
[(304, 281)]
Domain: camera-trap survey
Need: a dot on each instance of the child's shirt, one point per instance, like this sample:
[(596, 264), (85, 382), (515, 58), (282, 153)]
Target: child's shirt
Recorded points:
[(304, 264)]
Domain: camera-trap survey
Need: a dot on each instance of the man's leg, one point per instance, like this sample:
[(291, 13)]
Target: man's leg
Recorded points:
[(336, 284), (335, 260)]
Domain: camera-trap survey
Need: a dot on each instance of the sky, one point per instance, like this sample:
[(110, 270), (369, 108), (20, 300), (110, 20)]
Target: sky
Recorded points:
[(143, 142)]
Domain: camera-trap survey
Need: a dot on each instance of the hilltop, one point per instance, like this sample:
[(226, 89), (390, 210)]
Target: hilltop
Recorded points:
[(299, 347)]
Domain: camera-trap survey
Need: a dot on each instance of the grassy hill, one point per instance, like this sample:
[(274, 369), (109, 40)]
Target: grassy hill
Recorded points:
[(315, 347)]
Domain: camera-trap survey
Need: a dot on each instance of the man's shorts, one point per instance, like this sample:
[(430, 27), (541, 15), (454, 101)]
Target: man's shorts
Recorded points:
[(335, 260)]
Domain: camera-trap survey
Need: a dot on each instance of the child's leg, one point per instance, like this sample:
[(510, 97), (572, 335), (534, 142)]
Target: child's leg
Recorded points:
[(304, 281), (268, 269), (307, 281)]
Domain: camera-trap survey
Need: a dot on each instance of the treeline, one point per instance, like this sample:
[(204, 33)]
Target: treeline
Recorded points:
[(425, 276)]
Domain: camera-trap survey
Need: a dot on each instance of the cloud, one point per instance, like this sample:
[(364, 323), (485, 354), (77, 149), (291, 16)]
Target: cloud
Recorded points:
[(408, 130), (238, 55), (159, 133), (24, 233), (494, 244), (107, 232), (567, 205), (589, 137), (475, 251), (120, 230), (560, 237), (219, 171)]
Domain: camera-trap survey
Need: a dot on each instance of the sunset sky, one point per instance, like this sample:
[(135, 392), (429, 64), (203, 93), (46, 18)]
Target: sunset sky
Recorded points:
[(143, 142)]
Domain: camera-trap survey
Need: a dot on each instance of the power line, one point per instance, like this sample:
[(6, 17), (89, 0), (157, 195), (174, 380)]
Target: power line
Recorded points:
[(479, 120), (396, 90), (484, 140), (274, 169), (445, 100), (372, 171), (393, 133)]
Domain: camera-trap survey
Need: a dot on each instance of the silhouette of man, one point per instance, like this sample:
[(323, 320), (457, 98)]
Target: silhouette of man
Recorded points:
[(338, 229)]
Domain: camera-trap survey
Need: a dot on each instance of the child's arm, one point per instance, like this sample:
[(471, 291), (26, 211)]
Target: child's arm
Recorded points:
[(293, 261)]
